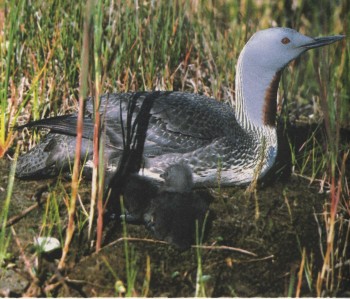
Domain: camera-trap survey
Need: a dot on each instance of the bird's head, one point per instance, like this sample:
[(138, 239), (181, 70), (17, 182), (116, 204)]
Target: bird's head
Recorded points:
[(274, 48), (178, 178)]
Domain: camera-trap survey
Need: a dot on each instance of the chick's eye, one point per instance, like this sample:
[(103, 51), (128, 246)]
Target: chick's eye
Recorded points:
[(285, 40)]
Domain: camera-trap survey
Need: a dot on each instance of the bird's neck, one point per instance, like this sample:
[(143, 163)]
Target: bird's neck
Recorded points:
[(256, 95)]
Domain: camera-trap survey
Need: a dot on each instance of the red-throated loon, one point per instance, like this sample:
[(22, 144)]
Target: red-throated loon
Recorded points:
[(191, 128)]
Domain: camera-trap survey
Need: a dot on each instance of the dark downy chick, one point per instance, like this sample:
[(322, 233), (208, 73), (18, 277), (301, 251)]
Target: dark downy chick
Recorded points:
[(138, 194), (176, 209)]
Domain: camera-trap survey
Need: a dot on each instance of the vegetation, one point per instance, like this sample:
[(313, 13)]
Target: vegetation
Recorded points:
[(46, 52)]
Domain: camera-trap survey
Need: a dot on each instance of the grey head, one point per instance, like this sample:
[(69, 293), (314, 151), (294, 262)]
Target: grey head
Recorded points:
[(259, 69), (177, 178), (274, 48)]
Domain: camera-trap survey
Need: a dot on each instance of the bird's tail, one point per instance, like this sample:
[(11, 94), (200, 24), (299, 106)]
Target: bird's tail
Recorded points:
[(34, 163), (51, 156), (64, 124)]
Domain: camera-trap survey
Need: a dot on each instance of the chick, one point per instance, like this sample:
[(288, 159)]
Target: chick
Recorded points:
[(176, 209)]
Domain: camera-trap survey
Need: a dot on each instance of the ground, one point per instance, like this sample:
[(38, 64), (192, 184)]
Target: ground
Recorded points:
[(284, 219)]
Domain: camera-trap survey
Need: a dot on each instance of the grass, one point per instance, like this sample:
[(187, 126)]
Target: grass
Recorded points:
[(51, 218), (176, 45), (131, 267), (130, 259), (6, 55), (201, 278), (4, 235)]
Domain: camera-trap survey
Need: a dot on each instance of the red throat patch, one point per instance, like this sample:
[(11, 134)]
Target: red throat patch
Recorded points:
[(270, 102)]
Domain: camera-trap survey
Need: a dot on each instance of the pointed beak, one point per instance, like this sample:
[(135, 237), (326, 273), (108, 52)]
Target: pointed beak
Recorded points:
[(322, 41)]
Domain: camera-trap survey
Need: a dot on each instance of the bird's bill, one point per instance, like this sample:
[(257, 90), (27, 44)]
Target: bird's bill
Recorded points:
[(322, 41)]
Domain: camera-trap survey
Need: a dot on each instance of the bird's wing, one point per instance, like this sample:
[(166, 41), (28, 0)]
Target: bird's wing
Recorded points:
[(178, 122), (64, 124)]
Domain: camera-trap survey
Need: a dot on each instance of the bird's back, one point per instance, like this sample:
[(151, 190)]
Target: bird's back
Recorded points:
[(178, 123)]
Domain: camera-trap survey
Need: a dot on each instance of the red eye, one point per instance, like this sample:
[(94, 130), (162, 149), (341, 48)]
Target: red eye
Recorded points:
[(285, 40)]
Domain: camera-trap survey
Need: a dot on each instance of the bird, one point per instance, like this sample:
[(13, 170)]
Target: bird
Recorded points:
[(138, 194), (178, 213), (216, 140), (169, 210)]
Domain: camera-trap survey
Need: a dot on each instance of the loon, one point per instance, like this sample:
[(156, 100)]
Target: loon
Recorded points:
[(138, 194), (236, 144), (169, 211), (177, 208)]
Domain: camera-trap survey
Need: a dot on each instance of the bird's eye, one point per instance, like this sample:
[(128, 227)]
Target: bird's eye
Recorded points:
[(285, 40)]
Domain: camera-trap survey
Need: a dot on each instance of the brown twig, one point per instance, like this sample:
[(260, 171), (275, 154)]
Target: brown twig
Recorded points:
[(193, 246), (135, 240), (24, 213), (225, 248)]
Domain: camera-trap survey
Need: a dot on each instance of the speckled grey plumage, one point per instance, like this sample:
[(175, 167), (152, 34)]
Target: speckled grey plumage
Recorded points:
[(183, 128), (53, 154)]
